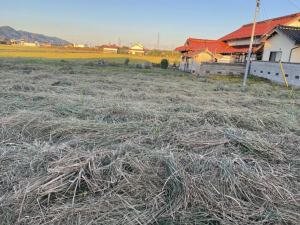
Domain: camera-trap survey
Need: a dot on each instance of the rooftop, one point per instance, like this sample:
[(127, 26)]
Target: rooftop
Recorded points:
[(193, 44), (111, 46), (292, 33), (261, 28)]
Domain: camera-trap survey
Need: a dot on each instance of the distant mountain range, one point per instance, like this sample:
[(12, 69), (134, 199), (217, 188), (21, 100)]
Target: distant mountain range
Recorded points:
[(11, 33)]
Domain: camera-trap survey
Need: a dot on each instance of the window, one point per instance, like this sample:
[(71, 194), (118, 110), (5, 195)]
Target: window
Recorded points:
[(297, 77), (269, 72), (275, 56), (277, 74), (286, 75), (259, 56)]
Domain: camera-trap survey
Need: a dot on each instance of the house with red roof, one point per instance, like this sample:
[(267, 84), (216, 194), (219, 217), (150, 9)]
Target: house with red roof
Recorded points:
[(137, 49), (112, 49), (239, 40), (234, 47), (203, 46)]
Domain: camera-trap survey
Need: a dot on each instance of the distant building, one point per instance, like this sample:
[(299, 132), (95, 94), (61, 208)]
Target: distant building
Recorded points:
[(69, 46), (46, 44), (14, 41), (80, 45), (5, 41), (192, 61), (30, 44), (138, 49), (111, 49)]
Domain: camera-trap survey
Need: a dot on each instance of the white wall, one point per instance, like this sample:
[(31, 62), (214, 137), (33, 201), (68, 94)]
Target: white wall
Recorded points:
[(295, 58), (110, 49), (272, 71), (137, 47), (136, 52), (80, 46), (227, 59), (30, 44), (278, 43), (243, 42), (195, 63)]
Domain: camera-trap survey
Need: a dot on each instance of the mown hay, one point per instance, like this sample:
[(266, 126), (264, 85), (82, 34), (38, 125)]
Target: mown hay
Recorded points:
[(123, 147)]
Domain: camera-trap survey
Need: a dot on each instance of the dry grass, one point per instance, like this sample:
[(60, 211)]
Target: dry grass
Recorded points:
[(108, 145)]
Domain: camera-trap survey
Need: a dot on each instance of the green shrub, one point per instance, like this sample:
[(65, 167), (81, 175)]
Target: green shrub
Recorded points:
[(164, 64)]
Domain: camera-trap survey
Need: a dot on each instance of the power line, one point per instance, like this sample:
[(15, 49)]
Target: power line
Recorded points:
[(293, 4)]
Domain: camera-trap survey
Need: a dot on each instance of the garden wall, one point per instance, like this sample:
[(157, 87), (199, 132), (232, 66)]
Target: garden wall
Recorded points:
[(272, 71), (221, 69)]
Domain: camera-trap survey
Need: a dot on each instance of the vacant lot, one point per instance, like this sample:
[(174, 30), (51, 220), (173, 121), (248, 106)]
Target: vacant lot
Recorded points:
[(72, 54), (113, 145)]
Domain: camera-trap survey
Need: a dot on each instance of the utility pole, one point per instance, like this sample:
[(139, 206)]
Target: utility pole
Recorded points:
[(250, 47), (172, 50)]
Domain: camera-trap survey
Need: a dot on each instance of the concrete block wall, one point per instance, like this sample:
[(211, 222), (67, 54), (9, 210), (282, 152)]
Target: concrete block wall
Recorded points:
[(272, 71), (221, 69)]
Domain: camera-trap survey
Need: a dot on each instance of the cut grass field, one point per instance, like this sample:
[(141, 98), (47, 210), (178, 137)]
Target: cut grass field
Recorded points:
[(72, 54), (113, 145)]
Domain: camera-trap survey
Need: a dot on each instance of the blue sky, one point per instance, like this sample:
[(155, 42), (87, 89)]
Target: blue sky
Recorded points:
[(104, 21)]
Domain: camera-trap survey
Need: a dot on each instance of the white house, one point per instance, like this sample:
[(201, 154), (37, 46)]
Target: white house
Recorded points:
[(192, 61), (111, 49), (282, 43), (137, 49), (30, 44), (80, 46)]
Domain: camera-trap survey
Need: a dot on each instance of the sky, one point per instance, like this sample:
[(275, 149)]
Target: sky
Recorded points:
[(99, 22)]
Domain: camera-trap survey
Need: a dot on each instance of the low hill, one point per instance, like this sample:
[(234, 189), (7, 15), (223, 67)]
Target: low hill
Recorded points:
[(11, 33)]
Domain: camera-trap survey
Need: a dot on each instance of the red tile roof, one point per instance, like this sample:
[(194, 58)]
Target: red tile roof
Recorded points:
[(111, 46), (240, 49), (261, 28), (182, 48), (193, 44)]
